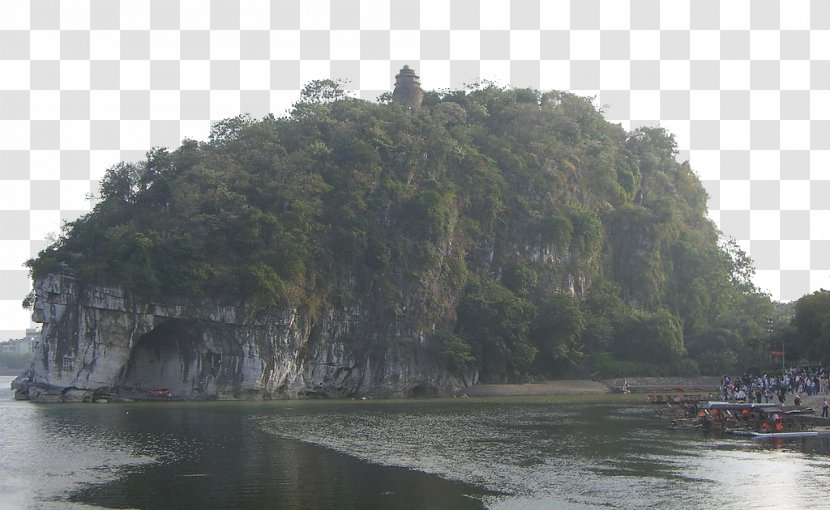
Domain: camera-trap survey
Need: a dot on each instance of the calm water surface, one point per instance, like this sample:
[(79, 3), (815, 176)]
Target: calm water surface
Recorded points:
[(453, 454)]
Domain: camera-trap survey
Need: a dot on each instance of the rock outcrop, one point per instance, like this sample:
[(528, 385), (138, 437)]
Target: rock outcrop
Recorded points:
[(100, 343)]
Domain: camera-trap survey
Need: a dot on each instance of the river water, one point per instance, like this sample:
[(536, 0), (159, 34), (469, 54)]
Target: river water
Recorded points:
[(450, 454)]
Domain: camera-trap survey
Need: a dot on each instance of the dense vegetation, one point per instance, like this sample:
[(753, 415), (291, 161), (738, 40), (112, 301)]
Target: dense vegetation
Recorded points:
[(520, 230), (801, 330)]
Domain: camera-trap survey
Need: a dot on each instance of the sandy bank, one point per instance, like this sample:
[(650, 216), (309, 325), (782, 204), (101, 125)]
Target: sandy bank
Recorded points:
[(588, 387), (564, 387)]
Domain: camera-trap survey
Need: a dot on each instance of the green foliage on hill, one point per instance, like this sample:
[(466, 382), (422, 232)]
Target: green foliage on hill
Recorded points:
[(519, 229), (802, 329)]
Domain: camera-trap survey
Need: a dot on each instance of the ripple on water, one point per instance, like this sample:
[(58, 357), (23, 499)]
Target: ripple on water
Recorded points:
[(538, 456)]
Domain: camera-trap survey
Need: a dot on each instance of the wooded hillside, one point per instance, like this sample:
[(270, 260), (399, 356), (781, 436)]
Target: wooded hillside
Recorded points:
[(520, 231)]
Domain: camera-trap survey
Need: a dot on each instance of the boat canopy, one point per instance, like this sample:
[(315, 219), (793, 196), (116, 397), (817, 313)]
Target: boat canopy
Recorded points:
[(740, 406)]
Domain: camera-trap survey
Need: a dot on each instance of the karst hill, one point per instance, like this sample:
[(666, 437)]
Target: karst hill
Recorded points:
[(408, 246)]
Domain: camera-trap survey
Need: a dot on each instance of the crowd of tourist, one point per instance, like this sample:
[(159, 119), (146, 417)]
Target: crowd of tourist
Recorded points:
[(764, 389)]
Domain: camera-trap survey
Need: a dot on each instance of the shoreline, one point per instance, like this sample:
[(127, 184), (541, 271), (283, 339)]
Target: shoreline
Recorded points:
[(605, 389), (546, 388), (569, 387), (639, 388)]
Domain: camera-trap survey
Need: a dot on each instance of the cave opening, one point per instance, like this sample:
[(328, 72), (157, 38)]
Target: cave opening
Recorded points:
[(164, 362)]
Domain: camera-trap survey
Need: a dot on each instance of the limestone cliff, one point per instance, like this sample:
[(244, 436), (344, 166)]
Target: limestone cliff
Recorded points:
[(99, 343)]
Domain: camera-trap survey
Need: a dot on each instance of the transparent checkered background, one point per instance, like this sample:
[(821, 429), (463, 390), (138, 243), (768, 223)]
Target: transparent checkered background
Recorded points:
[(744, 86)]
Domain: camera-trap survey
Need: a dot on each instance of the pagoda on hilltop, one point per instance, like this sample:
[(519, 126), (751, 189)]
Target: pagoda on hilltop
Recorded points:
[(408, 89)]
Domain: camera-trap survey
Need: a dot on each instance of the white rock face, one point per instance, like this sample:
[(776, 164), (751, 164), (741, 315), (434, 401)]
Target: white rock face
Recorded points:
[(100, 343)]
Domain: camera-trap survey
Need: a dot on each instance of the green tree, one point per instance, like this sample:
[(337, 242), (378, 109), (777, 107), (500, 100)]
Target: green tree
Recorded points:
[(557, 331), (520, 278), (811, 339), (496, 323), (604, 310), (653, 337)]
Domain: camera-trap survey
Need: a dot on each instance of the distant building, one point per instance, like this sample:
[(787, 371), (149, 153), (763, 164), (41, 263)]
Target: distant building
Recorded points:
[(408, 89), (17, 346), (25, 345), (32, 335)]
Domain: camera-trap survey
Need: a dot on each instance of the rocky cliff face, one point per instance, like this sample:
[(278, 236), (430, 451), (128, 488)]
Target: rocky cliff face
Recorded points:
[(100, 343)]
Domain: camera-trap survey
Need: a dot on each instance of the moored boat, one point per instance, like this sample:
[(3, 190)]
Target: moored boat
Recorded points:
[(750, 419), (765, 420), (769, 435)]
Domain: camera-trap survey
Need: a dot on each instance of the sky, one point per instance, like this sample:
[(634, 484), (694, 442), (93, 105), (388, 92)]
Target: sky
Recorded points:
[(744, 86)]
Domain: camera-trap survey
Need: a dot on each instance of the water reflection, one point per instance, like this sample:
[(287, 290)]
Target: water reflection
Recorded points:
[(192, 455), (44, 456), (220, 461)]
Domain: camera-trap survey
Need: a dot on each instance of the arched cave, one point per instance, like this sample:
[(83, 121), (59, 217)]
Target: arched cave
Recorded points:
[(171, 361)]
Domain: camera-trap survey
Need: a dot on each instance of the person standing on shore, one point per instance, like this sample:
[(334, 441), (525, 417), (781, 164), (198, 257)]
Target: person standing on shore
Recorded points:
[(824, 407)]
